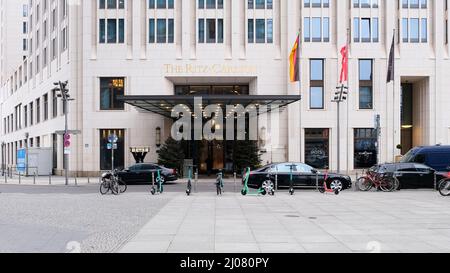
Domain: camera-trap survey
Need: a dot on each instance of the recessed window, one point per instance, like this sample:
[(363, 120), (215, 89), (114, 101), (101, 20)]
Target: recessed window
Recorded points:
[(316, 29), (365, 30), (161, 30), (112, 4), (260, 31), (316, 94), (161, 4), (365, 84), (210, 30), (110, 89), (112, 31), (316, 3), (210, 4)]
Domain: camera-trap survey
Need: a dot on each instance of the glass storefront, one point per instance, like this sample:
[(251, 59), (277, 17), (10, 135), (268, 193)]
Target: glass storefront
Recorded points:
[(317, 148), (365, 148), (106, 155)]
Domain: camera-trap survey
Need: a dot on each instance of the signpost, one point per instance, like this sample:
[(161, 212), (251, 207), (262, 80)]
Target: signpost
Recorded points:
[(377, 127), (112, 145)]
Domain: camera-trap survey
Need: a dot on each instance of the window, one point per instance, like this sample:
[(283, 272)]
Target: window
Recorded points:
[(112, 31), (414, 4), (210, 4), (45, 107), (161, 4), (111, 4), (365, 84), (317, 148), (162, 31), (316, 29), (316, 3), (110, 89), (210, 30), (365, 30), (260, 4), (25, 115), (106, 155), (260, 31), (316, 94), (54, 104), (31, 114), (423, 30), (38, 111), (365, 147)]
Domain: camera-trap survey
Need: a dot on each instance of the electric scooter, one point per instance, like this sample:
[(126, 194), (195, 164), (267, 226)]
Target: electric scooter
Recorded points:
[(325, 188), (219, 182), (246, 189), (159, 182), (291, 179), (189, 183)]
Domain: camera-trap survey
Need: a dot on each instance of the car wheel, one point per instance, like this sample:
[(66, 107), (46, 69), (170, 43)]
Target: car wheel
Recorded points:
[(336, 185), (268, 185)]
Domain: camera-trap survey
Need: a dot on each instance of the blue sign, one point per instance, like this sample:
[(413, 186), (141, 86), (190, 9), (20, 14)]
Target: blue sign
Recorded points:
[(21, 161)]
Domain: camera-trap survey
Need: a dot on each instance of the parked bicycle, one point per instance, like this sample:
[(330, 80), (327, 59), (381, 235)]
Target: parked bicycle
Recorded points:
[(112, 182), (444, 187), (378, 179)]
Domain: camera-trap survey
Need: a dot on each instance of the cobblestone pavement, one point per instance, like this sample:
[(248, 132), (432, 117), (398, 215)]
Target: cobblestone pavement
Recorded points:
[(78, 219)]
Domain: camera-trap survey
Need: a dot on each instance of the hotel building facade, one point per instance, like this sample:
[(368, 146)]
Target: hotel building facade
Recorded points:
[(106, 49)]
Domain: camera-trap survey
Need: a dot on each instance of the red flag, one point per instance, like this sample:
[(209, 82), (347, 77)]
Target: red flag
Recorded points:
[(344, 69)]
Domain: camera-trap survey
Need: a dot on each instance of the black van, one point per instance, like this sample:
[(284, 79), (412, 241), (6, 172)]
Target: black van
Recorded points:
[(436, 157)]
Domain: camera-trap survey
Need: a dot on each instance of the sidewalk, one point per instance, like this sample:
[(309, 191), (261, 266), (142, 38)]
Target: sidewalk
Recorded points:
[(407, 221)]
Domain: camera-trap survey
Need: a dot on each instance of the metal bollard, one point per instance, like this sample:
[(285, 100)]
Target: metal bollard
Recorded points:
[(34, 178), (235, 177), (435, 182), (317, 181), (196, 181), (356, 181), (89, 180), (276, 182), (50, 178), (76, 182), (20, 179)]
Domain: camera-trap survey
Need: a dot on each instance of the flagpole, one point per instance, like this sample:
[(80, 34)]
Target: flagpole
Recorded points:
[(393, 103), (300, 92), (348, 96)]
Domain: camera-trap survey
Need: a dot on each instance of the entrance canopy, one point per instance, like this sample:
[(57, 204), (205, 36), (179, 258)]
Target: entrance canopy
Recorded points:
[(163, 104)]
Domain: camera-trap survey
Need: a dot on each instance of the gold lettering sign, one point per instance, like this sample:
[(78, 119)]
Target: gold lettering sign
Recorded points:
[(118, 83), (214, 69)]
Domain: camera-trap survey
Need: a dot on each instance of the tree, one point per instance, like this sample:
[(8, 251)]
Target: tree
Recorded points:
[(171, 154), (246, 154)]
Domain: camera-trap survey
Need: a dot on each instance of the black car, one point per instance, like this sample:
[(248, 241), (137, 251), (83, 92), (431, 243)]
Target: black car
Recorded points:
[(304, 176), (143, 173), (411, 175)]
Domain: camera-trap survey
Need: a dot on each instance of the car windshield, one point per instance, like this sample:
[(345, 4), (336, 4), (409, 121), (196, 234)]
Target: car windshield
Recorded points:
[(408, 157)]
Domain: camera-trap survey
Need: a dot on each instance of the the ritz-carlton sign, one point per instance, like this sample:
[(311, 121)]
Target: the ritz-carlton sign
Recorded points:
[(213, 69)]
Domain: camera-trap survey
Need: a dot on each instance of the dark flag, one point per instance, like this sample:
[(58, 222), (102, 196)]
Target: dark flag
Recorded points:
[(391, 66)]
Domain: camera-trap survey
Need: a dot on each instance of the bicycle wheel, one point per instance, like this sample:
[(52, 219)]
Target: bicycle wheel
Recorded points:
[(364, 183), (444, 187), (387, 184), (104, 188), (122, 186), (115, 189)]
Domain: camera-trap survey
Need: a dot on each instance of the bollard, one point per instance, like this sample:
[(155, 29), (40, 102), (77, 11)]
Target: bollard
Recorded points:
[(34, 178), (76, 182), (20, 179), (435, 182), (6, 179), (196, 181), (276, 181), (153, 178), (317, 181), (89, 180), (50, 178), (235, 177)]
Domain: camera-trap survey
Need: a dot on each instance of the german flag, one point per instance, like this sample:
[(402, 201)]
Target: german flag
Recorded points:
[(294, 70)]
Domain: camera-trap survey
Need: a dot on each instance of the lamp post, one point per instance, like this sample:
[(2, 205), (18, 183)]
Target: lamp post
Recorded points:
[(61, 87)]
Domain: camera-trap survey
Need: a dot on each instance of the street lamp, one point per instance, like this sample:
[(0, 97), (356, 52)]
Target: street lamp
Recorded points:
[(61, 87)]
